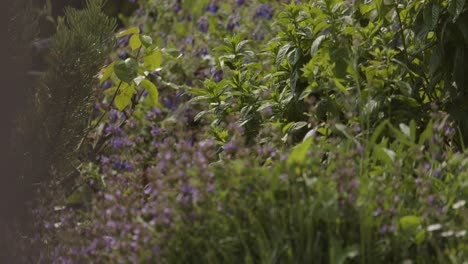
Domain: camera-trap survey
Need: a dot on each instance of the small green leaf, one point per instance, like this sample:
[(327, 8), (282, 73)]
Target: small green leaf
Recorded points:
[(107, 73), (126, 70), (409, 223), (146, 40), (339, 85), (124, 98), (325, 131), (80, 197), (135, 42), (153, 60), (132, 30), (297, 126), (152, 92)]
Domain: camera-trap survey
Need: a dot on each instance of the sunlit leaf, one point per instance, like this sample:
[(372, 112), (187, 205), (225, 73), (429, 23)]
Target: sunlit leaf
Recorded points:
[(153, 60), (152, 91), (135, 42), (123, 99), (132, 30)]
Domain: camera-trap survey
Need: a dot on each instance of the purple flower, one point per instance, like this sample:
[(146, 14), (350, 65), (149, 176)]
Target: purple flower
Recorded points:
[(240, 2), (122, 165), (357, 128), (117, 142), (430, 200), (427, 166), (123, 41), (203, 24), (107, 85), (212, 8), (114, 114), (218, 76), (418, 181), (230, 146), (133, 246), (264, 11), (104, 160), (123, 55), (157, 111), (112, 128), (155, 131), (383, 229), (259, 36), (167, 211), (91, 247), (210, 188), (378, 212)]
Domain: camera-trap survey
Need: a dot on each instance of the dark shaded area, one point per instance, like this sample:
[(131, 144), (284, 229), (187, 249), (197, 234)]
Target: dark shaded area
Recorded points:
[(14, 64)]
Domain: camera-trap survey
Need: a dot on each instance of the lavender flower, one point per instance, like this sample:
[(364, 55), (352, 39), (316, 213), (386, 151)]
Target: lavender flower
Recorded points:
[(264, 11), (203, 24)]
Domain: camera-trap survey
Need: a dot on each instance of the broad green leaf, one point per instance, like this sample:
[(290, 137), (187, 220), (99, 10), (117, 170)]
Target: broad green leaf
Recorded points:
[(153, 60), (135, 42), (126, 70), (455, 8), (132, 30), (294, 56), (107, 73), (299, 154), (431, 15), (281, 53), (316, 45), (146, 40), (409, 223), (152, 91), (124, 98)]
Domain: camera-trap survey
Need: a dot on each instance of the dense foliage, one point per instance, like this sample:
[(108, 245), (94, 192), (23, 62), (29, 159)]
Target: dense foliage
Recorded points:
[(269, 132)]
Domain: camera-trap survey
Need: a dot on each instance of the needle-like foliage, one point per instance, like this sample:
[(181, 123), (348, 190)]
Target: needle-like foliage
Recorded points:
[(78, 50)]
